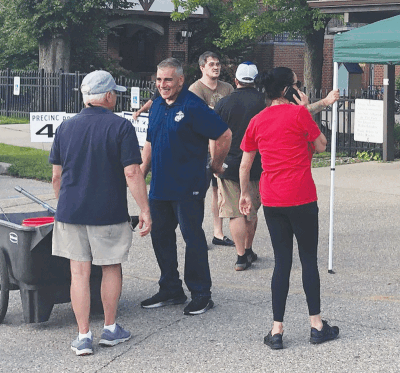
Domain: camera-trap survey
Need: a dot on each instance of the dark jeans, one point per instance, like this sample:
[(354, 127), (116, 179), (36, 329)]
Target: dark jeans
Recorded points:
[(284, 223), (189, 214)]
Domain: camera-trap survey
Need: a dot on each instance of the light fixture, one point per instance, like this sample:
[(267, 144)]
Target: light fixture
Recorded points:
[(181, 35)]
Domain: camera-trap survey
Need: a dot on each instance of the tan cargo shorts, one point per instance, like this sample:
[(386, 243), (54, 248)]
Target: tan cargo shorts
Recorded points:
[(229, 195), (99, 244)]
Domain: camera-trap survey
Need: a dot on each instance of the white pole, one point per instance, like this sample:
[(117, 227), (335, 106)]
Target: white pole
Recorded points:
[(333, 163)]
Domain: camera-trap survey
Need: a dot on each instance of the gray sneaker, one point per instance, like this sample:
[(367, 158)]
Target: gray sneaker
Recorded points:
[(112, 339), (82, 347)]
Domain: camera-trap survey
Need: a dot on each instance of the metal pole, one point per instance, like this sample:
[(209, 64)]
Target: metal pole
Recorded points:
[(333, 164)]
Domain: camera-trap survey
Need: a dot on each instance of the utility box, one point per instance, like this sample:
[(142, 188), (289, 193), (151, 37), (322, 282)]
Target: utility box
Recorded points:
[(349, 79)]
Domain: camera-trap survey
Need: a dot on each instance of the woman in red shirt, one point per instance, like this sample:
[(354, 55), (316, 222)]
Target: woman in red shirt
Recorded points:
[(286, 135)]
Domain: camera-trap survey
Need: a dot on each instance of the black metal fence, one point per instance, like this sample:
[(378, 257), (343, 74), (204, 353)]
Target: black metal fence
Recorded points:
[(345, 142), (52, 92), (55, 92)]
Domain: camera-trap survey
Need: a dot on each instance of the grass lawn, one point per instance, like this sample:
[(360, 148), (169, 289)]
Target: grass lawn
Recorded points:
[(26, 162), (33, 163), (30, 163), (13, 120)]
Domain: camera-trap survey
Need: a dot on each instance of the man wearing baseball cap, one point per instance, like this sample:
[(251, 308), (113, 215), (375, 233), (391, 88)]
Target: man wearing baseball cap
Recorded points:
[(236, 110), (95, 154)]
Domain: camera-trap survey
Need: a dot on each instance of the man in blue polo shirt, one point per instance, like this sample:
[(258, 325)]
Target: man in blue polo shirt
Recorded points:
[(95, 154), (180, 128)]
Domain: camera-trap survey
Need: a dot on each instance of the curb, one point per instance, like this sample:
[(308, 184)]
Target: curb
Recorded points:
[(4, 168)]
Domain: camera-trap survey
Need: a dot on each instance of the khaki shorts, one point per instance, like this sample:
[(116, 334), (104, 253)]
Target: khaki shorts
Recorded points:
[(229, 195), (99, 244)]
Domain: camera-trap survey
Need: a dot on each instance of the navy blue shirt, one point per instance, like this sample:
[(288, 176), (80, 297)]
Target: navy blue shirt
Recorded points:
[(179, 135), (93, 147)]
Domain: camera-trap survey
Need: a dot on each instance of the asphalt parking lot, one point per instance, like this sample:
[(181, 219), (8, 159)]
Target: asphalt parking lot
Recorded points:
[(362, 297)]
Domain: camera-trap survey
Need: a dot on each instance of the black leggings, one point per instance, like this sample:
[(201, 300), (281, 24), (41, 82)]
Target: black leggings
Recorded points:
[(302, 222)]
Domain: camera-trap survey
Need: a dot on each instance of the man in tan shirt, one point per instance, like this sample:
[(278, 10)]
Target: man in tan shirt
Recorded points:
[(211, 90)]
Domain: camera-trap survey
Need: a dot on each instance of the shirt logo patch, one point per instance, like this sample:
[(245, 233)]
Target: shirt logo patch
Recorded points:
[(179, 116)]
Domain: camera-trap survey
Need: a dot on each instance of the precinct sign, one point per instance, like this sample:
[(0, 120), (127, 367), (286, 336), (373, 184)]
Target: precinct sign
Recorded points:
[(43, 125)]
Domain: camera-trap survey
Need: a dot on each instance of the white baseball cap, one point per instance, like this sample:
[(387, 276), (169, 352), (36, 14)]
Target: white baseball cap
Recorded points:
[(246, 72), (99, 81)]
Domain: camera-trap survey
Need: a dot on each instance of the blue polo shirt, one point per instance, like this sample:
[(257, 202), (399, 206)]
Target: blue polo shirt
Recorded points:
[(93, 147), (179, 135)]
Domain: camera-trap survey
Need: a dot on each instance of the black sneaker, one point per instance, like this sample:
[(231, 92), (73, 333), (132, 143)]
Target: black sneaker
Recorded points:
[(198, 306), (251, 255), (242, 263), (327, 333), (274, 341), (224, 242), (163, 299)]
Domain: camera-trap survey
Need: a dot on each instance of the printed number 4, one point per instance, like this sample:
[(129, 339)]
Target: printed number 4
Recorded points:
[(46, 130)]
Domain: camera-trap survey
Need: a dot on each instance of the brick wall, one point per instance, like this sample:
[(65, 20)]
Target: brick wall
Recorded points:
[(379, 73), (270, 55), (173, 44), (327, 66), (291, 56)]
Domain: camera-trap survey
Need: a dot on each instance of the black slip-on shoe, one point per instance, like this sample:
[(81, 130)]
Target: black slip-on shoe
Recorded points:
[(198, 306), (327, 333), (274, 341), (252, 256), (224, 242), (163, 299)]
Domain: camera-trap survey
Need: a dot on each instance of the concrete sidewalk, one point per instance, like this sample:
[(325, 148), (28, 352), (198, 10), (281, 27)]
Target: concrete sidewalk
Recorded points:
[(362, 297), (19, 135)]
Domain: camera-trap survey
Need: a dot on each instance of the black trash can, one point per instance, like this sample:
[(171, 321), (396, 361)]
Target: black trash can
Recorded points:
[(27, 265)]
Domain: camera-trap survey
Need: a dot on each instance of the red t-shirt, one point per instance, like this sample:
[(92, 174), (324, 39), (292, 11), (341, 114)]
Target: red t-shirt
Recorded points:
[(281, 134)]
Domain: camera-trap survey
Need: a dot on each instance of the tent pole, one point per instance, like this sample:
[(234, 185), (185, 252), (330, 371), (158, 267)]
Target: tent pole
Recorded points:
[(333, 163)]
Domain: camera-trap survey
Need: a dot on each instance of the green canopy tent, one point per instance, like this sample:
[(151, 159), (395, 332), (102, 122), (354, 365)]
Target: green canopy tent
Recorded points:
[(377, 43)]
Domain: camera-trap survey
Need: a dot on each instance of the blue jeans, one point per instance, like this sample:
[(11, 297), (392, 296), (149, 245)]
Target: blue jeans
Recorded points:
[(284, 223), (189, 214)]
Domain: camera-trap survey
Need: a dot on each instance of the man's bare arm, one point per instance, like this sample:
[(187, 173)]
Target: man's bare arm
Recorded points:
[(219, 149), (137, 187), (146, 158), (320, 105), (56, 179)]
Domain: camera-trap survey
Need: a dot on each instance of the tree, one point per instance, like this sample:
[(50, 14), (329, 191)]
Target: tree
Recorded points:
[(245, 21), (18, 49), (61, 27)]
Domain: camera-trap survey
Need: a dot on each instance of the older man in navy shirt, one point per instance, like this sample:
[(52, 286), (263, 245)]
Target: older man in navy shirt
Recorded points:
[(181, 126), (95, 154)]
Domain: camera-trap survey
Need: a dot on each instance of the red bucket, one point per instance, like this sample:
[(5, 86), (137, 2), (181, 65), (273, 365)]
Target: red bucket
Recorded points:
[(34, 222)]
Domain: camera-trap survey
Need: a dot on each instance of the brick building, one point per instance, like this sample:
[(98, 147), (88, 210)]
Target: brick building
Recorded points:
[(354, 12), (144, 35)]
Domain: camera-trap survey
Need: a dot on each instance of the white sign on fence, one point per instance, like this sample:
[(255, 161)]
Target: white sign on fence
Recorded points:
[(17, 85), (140, 125), (135, 97), (43, 125), (368, 121)]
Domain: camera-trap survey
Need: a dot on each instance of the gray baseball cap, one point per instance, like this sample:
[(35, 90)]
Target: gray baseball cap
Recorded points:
[(99, 81)]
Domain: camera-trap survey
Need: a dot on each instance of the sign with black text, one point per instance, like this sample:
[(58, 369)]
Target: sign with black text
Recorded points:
[(43, 125), (140, 125), (368, 121)]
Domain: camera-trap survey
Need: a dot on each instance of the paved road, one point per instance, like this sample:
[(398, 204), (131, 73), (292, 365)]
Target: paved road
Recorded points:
[(362, 298)]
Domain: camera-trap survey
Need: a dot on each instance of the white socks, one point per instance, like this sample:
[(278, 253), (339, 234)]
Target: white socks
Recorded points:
[(111, 328), (87, 335)]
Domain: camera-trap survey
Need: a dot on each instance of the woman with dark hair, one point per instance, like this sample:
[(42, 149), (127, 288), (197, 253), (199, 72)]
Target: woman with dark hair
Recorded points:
[(286, 136)]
